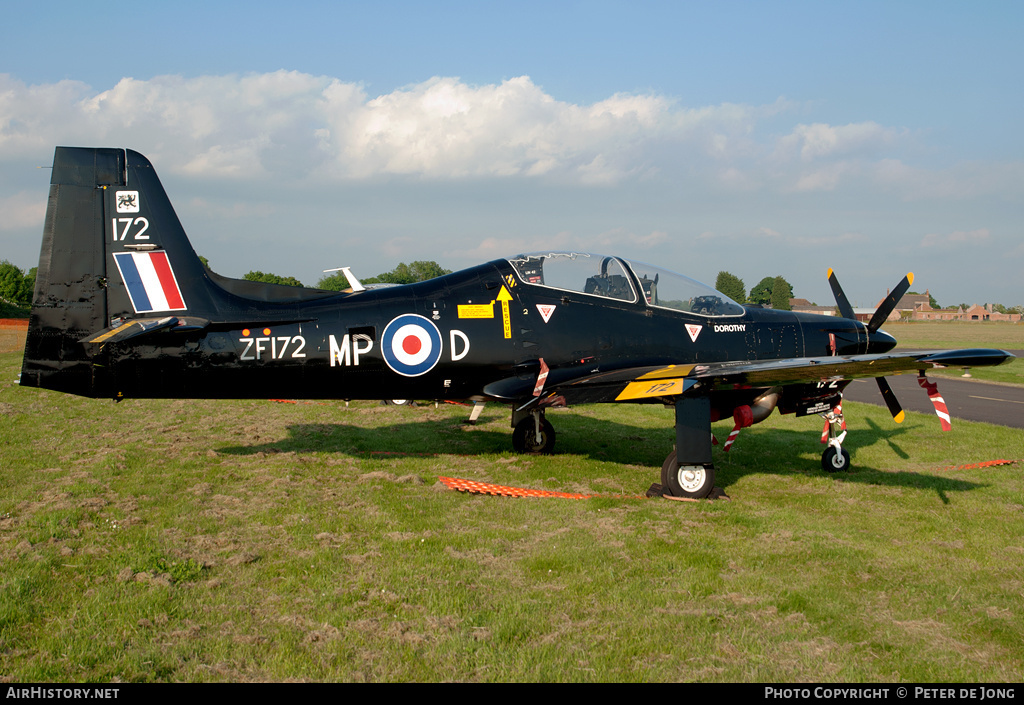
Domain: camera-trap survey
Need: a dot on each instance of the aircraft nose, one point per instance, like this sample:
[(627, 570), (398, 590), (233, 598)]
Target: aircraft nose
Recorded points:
[(880, 342)]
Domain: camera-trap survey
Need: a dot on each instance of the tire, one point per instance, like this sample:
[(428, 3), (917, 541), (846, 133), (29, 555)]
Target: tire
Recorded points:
[(524, 437), (691, 481), (833, 461), (399, 402)]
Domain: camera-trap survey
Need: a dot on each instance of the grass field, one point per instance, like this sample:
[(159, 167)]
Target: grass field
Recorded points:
[(943, 335), (955, 334), (253, 540)]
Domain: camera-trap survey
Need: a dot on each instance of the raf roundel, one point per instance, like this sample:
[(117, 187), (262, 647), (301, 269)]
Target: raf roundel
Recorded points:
[(411, 345)]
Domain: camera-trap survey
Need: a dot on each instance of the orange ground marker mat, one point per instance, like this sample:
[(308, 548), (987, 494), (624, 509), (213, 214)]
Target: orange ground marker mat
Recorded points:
[(501, 490), (984, 464)]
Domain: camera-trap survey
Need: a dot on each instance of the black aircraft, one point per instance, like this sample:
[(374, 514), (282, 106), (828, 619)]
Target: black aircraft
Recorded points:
[(123, 307)]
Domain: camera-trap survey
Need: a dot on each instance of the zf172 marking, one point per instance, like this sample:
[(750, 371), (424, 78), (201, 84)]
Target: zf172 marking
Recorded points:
[(273, 348)]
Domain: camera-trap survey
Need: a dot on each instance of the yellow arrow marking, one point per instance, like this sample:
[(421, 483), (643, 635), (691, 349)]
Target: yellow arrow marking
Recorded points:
[(504, 297), (487, 311)]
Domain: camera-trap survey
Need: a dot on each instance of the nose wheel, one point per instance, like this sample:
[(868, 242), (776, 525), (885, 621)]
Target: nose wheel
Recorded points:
[(835, 459)]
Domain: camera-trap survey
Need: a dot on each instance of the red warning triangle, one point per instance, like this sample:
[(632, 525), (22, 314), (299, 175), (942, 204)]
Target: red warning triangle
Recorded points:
[(545, 311)]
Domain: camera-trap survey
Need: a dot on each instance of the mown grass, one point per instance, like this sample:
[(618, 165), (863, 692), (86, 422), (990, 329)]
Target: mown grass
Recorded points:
[(928, 335), (253, 540), (957, 334)]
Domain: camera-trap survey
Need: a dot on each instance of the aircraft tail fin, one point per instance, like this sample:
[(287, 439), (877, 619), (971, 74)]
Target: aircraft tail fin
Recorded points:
[(113, 250)]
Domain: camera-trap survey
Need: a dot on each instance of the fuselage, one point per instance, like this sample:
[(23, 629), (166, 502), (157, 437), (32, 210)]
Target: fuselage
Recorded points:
[(480, 333)]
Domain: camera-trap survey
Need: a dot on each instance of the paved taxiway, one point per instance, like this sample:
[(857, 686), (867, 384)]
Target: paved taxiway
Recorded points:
[(975, 401)]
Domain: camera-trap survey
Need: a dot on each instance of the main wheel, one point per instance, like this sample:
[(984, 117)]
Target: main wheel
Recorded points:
[(693, 481), (524, 437), (834, 461)]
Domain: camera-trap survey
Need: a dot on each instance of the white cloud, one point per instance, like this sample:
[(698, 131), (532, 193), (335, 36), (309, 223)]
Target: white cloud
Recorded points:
[(22, 210), (288, 123), (236, 210), (616, 241), (957, 239), (960, 181), (825, 178), (817, 141), (849, 238), (292, 126)]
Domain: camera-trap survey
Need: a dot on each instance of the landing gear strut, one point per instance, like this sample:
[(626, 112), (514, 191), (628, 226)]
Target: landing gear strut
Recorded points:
[(688, 470)]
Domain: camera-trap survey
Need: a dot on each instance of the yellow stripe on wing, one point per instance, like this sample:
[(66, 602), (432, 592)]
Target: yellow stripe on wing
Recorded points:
[(669, 372), (105, 336)]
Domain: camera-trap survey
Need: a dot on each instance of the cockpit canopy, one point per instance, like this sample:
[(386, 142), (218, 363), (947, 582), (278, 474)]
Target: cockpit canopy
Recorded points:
[(618, 279)]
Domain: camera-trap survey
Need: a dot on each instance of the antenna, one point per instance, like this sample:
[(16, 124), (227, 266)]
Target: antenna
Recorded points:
[(352, 281)]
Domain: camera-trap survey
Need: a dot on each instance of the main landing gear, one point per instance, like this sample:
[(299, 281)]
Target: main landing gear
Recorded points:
[(532, 433), (687, 471)]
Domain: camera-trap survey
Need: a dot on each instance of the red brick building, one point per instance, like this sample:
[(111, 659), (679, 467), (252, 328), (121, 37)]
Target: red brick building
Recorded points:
[(917, 307)]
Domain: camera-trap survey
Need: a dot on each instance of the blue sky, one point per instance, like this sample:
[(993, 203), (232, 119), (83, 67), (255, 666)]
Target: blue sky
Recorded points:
[(760, 138)]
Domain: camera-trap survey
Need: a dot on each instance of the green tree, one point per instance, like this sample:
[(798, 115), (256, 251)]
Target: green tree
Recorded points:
[(782, 292), (418, 271), (258, 276), (775, 291), (761, 293), (732, 286), (11, 279), (28, 285), (334, 282)]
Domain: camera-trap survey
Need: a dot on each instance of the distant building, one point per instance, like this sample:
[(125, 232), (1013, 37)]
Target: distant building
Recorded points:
[(805, 306), (917, 307)]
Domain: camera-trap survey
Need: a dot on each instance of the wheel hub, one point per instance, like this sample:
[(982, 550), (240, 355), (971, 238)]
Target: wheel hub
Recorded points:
[(691, 477)]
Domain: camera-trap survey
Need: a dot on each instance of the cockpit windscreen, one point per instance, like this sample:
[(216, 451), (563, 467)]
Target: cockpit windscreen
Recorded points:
[(596, 275), (670, 290), (607, 277)]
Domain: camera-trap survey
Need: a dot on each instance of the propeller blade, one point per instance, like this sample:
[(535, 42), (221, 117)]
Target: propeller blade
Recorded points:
[(890, 400), (845, 309), (887, 305)]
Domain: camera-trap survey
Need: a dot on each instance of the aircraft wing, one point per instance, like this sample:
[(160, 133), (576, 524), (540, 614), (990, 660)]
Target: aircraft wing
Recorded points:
[(640, 383)]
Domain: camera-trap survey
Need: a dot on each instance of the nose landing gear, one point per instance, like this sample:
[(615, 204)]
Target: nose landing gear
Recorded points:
[(835, 458)]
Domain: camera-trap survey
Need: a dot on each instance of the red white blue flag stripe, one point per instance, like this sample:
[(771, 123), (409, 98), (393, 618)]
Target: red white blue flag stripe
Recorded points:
[(150, 281)]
